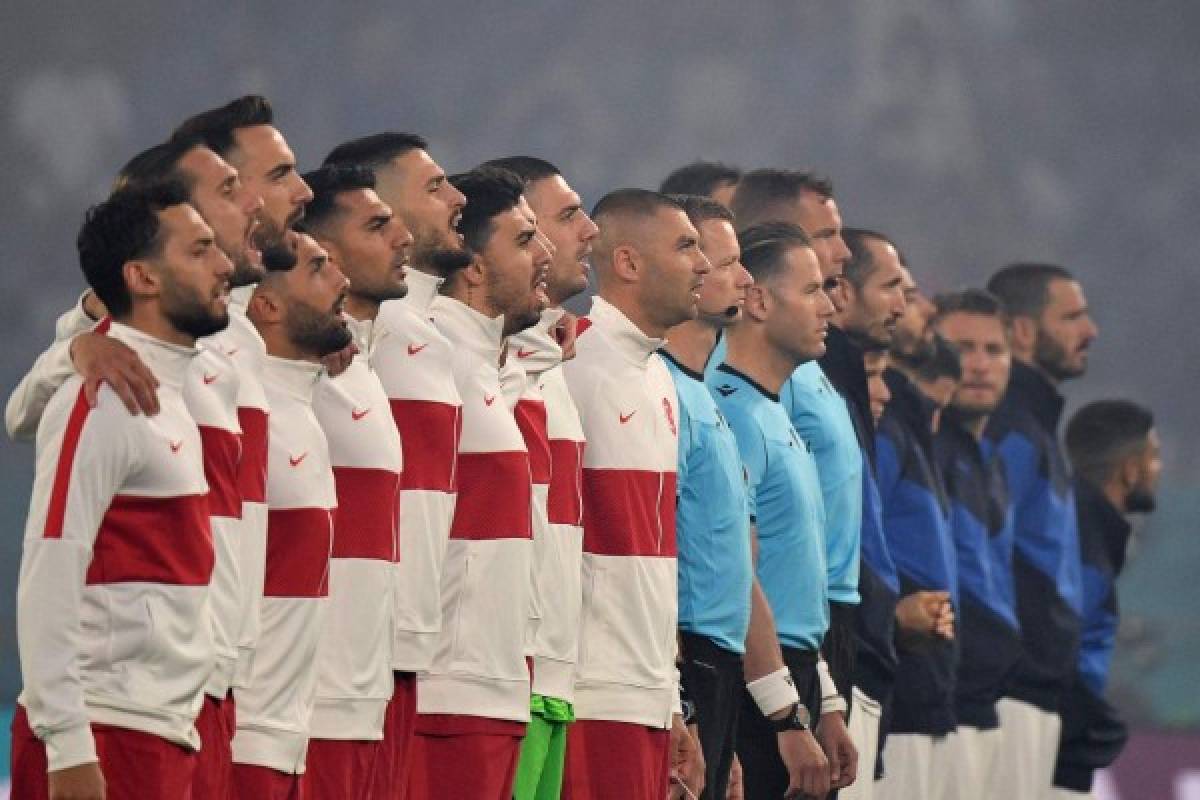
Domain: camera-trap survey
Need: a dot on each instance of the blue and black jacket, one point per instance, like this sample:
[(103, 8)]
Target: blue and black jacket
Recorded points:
[(878, 583), (1046, 560), (916, 522), (1093, 735), (982, 522)]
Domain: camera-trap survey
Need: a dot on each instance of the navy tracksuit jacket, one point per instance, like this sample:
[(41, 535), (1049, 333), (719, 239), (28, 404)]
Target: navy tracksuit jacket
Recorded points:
[(1046, 557), (982, 522)]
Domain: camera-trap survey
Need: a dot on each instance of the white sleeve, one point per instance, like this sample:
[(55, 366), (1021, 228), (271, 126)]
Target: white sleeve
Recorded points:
[(49, 371), (83, 457)]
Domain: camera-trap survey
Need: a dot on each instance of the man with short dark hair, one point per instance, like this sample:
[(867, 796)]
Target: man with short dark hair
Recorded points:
[(473, 700), (354, 679), (549, 422), (630, 736), (785, 320), (716, 570), (243, 133), (1116, 455), (974, 321), (413, 360), (704, 178), (95, 721), (1051, 334), (297, 312)]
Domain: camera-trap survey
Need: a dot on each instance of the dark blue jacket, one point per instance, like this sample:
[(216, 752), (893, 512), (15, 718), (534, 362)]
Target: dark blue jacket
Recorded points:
[(916, 523), (982, 521), (1046, 561), (878, 583), (1093, 735)]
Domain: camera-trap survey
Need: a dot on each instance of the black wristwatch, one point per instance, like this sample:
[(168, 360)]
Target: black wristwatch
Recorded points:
[(798, 719)]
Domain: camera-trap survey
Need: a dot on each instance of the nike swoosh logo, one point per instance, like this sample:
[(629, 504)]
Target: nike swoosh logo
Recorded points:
[(414, 349), (357, 415), (209, 378), (487, 401), (523, 353), (175, 445), (626, 417), (294, 461)]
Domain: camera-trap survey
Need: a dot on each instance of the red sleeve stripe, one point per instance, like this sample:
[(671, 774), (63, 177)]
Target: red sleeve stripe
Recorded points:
[(628, 512), (494, 497), (429, 435), (366, 524), (531, 419), (298, 546), (57, 511), (565, 503), (164, 540), (252, 471), (103, 325), (581, 326), (222, 455)]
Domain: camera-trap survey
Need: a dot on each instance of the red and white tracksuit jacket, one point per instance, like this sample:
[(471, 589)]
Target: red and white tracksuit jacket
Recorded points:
[(627, 405), (274, 711), (412, 360), (220, 392), (479, 668), (550, 424), (113, 589), (354, 657)]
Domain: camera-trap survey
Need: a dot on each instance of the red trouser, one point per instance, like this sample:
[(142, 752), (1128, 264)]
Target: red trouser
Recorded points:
[(338, 769), (616, 761), (464, 758), (136, 765), (394, 763), (252, 782), (213, 779)]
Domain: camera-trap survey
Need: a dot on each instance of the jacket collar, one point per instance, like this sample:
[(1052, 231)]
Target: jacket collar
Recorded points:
[(422, 289), (1033, 391), (954, 433), (536, 350), (913, 409), (168, 362), (1112, 526), (362, 330), (294, 378), (465, 326), (628, 339)]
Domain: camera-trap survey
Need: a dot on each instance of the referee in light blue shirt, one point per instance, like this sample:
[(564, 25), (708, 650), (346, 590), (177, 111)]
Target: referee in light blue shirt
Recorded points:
[(712, 519)]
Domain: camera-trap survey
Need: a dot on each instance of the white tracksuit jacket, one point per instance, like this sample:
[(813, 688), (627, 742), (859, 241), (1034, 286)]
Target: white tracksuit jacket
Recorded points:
[(354, 672), (275, 710), (112, 621), (240, 533), (479, 668), (550, 424), (412, 360), (627, 405)]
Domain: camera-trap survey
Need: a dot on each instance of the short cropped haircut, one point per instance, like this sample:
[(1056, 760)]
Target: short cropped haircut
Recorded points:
[(158, 164), (123, 228), (530, 169), (279, 257), (376, 150), (1024, 288), (327, 183), (217, 126), (1103, 433), (862, 262), (489, 191), (701, 209), (633, 202), (765, 246), (942, 361), (700, 177), (764, 195), (980, 302)]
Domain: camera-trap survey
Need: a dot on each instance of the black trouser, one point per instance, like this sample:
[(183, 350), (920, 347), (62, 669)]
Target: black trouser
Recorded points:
[(763, 772), (840, 648), (712, 679)]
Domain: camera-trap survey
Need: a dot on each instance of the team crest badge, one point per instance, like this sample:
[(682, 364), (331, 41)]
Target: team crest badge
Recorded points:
[(670, 415)]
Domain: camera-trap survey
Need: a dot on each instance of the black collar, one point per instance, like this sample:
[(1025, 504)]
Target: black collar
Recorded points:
[(1098, 512), (1032, 390), (732, 371), (684, 368)]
